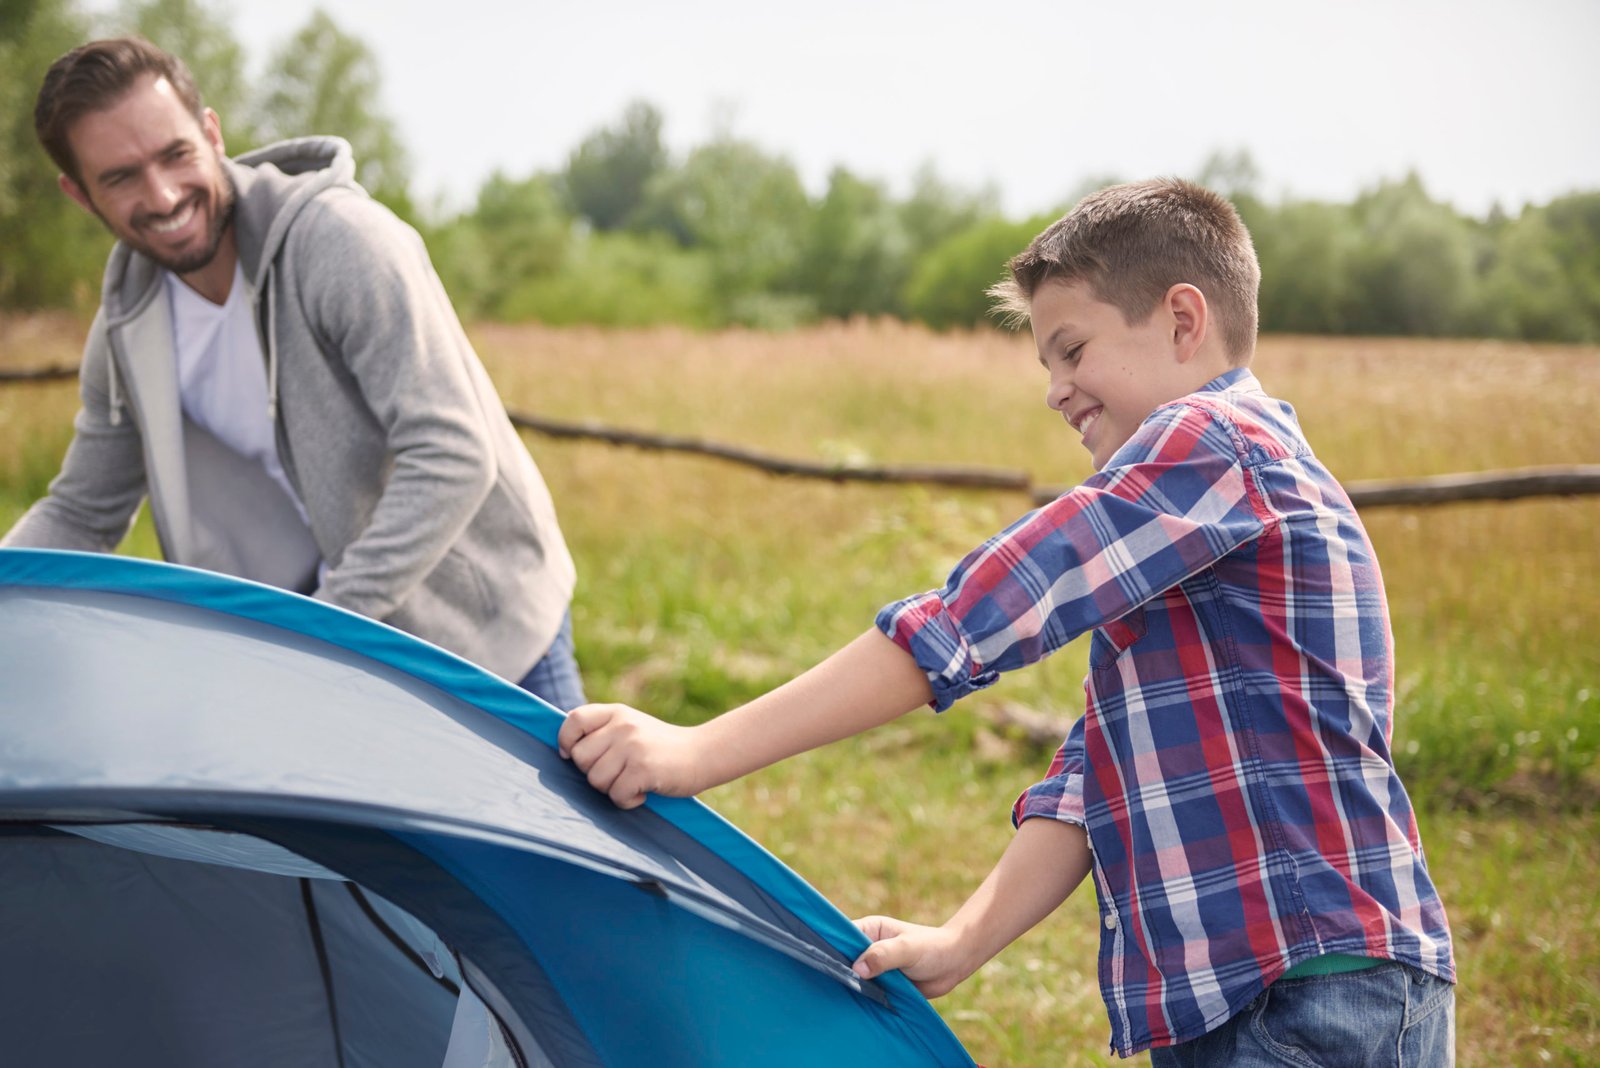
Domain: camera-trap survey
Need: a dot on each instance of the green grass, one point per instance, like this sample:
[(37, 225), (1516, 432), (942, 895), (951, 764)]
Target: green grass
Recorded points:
[(702, 584)]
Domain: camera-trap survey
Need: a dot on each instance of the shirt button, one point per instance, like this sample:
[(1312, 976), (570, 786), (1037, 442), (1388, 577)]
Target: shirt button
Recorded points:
[(1111, 922)]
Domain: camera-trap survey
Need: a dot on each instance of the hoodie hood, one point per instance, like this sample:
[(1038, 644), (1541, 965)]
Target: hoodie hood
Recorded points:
[(273, 184)]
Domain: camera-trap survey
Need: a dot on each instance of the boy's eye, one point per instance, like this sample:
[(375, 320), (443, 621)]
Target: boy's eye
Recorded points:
[(1071, 355)]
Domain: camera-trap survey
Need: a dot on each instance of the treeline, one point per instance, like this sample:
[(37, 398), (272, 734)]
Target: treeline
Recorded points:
[(627, 233)]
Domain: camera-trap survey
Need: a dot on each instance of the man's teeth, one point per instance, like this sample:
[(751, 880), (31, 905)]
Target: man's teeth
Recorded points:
[(166, 226)]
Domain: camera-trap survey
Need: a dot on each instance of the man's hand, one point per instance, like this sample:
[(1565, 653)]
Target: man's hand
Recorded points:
[(627, 753), (929, 956)]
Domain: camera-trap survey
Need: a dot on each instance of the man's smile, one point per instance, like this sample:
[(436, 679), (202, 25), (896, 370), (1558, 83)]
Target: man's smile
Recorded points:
[(169, 224)]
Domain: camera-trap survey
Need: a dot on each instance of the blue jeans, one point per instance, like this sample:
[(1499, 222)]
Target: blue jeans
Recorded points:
[(555, 677), (1390, 1015)]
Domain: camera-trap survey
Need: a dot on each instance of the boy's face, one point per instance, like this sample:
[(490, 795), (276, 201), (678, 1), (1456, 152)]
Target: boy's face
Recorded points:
[(1106, 376)]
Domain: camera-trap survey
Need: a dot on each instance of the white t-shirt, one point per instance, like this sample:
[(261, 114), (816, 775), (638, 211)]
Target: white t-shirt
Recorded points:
[(222, 375)]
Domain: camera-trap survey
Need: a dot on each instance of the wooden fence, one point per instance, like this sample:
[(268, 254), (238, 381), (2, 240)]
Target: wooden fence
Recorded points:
[(1562, 481)]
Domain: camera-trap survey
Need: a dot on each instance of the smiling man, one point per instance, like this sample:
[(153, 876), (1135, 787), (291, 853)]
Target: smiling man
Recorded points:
[(276, 366)]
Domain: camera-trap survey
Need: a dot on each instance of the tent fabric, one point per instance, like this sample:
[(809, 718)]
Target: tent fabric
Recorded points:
[(242, 826)]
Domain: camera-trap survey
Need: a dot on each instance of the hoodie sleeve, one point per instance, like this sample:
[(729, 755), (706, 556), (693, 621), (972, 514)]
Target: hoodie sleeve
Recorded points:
[(91, 504), (371, 294)]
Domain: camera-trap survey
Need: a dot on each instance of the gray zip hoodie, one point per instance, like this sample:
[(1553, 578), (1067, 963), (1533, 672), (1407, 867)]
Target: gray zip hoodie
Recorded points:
[(421, 498)]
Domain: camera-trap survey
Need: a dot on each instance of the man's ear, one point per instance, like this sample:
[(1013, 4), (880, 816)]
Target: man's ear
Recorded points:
[(211, 126), (75, 191), (1190, 317)]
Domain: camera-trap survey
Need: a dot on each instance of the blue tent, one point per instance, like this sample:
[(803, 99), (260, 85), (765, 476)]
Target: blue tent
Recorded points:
[(241, 827)]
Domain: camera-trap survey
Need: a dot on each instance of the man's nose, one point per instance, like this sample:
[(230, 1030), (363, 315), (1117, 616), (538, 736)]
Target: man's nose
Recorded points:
[(162, 193)]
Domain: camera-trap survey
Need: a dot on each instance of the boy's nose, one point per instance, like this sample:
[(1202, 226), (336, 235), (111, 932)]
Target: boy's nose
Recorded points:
[(1059, 393)]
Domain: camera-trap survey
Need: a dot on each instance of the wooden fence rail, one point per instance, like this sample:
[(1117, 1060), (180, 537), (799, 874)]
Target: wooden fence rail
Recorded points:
[(1562, 481)]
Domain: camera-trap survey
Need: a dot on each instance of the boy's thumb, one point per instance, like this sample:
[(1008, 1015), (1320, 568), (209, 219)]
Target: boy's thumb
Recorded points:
[(878, 958)]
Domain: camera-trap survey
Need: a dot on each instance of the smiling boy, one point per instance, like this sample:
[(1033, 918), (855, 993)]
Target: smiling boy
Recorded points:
[(1261, 885)]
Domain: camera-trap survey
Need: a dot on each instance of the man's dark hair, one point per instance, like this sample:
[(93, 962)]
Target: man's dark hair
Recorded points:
[(93, 77)]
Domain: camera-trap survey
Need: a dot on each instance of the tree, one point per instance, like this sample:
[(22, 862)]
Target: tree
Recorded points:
[(608, 172), (1231, 174), (749, 212), (935, 210), (1575, 224), (1306, 249), (518, 230), (50, 249), (856, 255), (202, 38), (1526, 292), (325, 81), (1415, 269), (949, 286), (619, 279)]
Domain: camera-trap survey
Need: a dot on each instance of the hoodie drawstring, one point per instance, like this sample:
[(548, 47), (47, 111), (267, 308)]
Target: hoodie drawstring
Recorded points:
[(114, 388), (272, 348)]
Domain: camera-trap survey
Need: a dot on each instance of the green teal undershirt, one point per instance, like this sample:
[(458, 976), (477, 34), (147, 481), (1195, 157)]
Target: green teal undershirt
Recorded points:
[(1331, 964)]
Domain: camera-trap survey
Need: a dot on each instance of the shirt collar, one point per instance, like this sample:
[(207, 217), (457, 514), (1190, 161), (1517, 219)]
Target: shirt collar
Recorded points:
[(1234, 380)]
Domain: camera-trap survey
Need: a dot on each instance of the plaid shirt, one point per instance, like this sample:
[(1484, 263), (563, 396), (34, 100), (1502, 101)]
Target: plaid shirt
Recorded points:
[(1233, 769)]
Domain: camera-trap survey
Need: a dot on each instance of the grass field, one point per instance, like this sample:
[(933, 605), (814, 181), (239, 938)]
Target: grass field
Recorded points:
[(704, 583)]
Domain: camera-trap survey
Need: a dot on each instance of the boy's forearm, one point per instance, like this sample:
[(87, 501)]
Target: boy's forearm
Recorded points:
[(1041, 867), (627, 754), (1044, 863), (864, 685)]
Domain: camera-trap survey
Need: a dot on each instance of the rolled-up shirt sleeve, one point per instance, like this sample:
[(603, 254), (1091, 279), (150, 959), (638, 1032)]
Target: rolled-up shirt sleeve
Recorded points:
[(1173, 501), (1060, 795)]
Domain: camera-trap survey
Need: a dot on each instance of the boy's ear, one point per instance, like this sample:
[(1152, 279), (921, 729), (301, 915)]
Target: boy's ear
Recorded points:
[(1190, 317)]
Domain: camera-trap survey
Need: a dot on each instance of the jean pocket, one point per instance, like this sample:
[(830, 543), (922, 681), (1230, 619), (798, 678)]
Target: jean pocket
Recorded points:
[(1347, 1020)]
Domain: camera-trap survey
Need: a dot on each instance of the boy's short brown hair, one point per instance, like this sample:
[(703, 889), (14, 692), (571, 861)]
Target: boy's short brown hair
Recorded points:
[(95, 76), (1131, 243)]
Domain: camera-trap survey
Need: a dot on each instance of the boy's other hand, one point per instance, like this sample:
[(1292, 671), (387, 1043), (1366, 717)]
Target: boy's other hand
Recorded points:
[(928, 956), (627, 754)]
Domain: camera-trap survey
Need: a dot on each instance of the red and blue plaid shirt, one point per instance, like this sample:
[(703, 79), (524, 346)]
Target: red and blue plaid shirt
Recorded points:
[(1233, 767)]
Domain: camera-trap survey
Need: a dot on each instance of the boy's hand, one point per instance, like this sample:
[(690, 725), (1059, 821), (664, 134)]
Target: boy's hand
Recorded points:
[(929, 956), (627, 753)]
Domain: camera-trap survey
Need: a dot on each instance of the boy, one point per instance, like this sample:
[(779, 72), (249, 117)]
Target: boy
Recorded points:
[(1261, 885)]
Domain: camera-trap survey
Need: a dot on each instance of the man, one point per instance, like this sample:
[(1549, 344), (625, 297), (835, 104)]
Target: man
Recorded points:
[(277, 366)]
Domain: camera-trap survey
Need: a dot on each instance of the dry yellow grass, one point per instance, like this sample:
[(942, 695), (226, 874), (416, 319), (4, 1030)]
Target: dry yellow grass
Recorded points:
[(703, 583)]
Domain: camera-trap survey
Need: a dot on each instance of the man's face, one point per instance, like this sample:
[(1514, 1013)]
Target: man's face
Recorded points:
[(154, 175), (1106, 375)]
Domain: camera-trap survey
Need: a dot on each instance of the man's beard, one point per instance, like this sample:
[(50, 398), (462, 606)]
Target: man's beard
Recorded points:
[(221, 219)]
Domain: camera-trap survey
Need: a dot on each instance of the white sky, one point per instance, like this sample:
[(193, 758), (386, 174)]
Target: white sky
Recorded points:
[(1488, 101)]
